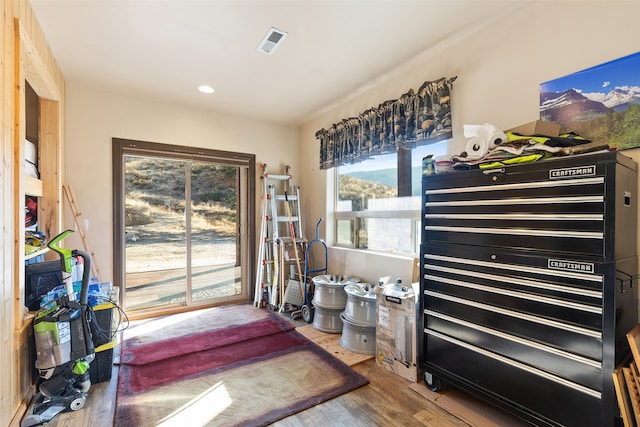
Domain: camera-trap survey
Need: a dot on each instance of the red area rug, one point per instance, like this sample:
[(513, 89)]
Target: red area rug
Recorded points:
[(226, 366)]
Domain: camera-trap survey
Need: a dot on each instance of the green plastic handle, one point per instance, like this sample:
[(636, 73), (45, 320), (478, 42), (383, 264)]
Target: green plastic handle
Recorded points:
[(65, 254)]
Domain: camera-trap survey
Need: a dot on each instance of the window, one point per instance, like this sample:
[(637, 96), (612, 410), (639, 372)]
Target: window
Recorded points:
[(183, 226), (378, 201)]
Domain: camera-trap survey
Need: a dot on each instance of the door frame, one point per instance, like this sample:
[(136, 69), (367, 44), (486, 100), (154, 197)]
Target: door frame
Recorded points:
[(123, 147)]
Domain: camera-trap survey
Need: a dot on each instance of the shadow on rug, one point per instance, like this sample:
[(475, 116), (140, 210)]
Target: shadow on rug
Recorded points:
[(236, 365)]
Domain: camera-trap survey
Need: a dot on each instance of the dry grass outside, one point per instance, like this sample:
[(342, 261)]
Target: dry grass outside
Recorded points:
[(208, 216), (217, 218), (155, 206), (155, 236), (137, 213)]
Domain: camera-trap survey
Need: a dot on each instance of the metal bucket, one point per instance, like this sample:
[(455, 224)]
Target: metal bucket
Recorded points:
[(327, 320), (329, 290), (357, 338), (361, 304)]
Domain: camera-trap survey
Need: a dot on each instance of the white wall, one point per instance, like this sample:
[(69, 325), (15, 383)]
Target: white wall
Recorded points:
[(499, 72), (95, 116)]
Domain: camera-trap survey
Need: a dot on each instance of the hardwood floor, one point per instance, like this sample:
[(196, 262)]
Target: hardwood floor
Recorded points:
[(386, 401)]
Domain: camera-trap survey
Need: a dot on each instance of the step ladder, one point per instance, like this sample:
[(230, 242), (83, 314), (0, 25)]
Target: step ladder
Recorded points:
[(282, 245)]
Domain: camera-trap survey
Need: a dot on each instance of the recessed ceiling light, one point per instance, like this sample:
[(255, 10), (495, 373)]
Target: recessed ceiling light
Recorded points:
[(206, 89)]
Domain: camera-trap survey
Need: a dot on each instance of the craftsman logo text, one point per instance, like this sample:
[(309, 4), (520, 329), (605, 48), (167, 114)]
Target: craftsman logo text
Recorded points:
[(572, 172), (582, 267)]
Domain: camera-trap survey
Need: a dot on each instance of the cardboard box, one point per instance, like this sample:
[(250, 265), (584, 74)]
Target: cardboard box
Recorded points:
[(398, 311), (537, 128)]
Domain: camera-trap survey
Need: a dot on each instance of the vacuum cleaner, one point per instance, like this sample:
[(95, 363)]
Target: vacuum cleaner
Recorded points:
[(64, 346)]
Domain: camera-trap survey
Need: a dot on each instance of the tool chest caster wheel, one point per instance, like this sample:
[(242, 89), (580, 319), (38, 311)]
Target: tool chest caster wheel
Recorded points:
[(432, 382)]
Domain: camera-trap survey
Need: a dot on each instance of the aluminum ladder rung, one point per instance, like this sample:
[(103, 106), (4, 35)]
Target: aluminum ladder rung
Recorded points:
[(276, 177), (290, 197), (286, 219)]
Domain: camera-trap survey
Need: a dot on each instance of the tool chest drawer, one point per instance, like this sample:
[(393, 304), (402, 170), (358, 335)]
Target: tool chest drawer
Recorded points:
[(525, 299), (546, 400), (566, 206), (526, 284)]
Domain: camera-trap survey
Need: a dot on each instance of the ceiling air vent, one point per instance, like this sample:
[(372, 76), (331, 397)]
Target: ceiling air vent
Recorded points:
[(272, 40)]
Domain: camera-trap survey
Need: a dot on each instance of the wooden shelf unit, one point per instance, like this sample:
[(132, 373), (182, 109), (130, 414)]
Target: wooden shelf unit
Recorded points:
[(31, 65)]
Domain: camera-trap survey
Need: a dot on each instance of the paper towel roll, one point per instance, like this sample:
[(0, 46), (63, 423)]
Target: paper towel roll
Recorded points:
[(474, 130), (487, 132), (497, 139), (484, 138), (477, 147)]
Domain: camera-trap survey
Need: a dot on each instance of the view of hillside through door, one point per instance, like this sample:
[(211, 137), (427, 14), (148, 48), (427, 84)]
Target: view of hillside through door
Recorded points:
[(183, 221)]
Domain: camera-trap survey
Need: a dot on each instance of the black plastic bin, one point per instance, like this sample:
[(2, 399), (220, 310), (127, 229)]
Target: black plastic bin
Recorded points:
[(101, 367)]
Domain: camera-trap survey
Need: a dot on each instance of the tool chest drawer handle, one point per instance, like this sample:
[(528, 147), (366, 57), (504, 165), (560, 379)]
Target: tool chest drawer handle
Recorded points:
[(493, 171)]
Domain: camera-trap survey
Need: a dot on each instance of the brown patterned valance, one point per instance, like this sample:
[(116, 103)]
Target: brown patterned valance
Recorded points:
[(416, 118)]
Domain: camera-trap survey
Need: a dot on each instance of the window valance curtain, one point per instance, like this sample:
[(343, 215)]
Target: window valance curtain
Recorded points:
[(416, 118)]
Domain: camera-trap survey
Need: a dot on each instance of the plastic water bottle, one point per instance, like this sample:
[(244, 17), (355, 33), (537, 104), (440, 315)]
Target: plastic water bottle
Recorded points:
[(428, 165)]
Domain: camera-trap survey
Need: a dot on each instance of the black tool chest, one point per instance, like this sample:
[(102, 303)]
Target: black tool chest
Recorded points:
[(528, 284)]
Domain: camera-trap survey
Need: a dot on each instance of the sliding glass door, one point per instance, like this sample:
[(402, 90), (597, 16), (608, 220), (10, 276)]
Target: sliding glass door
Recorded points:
[(183, 221), (215, 231)]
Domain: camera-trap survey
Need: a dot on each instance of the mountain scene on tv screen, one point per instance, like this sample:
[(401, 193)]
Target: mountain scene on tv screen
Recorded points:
[(600, 104)]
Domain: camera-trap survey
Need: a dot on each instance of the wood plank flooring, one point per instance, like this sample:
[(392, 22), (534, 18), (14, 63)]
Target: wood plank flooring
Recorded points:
[(387, 401)]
